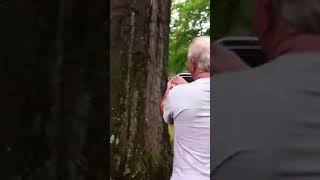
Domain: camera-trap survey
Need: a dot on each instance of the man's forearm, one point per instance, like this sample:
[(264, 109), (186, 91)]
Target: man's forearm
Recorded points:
[(163, 102), (165, 96)]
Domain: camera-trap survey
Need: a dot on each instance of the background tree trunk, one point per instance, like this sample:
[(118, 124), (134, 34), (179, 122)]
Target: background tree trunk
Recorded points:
[(53, 89), (139, 140)]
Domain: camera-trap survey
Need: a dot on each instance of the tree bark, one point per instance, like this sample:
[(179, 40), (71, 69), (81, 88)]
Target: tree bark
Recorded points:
[(139, 140), (53, 76)]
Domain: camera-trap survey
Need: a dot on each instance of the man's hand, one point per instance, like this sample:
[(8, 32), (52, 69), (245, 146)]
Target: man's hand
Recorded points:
[(173, 81), (170, 84), (177, 80)]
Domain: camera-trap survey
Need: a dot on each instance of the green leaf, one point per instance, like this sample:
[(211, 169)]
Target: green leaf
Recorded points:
[(190, 18)]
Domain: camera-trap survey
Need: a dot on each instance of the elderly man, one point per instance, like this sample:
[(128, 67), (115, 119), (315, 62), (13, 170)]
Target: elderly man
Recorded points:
[(188, 106), (267, 119)]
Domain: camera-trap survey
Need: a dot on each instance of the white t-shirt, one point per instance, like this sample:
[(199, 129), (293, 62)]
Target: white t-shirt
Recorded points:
[(188, 105)]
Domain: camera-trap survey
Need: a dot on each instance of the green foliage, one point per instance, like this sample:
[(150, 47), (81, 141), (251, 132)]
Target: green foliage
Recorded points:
[(171, 132), (190, 18)]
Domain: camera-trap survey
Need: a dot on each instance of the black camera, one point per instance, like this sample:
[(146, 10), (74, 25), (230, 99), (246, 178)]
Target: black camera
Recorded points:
[(186, 76)]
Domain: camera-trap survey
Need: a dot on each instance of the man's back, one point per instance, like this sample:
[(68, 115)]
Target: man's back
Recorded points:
[(189, 107), (267, 121)]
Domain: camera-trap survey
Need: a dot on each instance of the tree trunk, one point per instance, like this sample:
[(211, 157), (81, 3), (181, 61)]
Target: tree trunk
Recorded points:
[(53, 75), (140, 147)]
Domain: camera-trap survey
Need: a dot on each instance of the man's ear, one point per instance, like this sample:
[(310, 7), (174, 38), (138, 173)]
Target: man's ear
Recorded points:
[(194, 65)]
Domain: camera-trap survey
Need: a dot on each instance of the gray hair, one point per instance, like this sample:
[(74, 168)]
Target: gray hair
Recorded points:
[(199, 50), (300, 16)]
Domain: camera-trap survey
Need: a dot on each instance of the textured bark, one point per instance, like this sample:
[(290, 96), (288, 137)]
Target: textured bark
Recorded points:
[(53, 110), (140, 147)]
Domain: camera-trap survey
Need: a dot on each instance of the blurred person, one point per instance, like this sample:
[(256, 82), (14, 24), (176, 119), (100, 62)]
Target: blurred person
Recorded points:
[(225, 61), (187, 105), (267, 119)]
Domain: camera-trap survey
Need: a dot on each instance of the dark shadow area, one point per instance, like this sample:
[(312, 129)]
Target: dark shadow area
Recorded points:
[(53, 75)]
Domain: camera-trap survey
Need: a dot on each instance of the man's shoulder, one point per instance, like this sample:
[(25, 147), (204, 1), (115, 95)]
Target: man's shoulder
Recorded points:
[(285, 64), (190, 87), (260, 73), (239, 87), (180, 89), (234, 79)]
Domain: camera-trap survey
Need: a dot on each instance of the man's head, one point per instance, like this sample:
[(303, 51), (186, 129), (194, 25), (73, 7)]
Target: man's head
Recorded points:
[(278, 20), (199, 56)]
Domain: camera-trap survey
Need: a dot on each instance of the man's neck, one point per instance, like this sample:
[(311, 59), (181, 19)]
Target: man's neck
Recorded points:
[(202, 75), (298, 44)]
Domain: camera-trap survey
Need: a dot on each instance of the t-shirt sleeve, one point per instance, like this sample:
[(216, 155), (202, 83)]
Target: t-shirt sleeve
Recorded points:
[(168, 109)]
